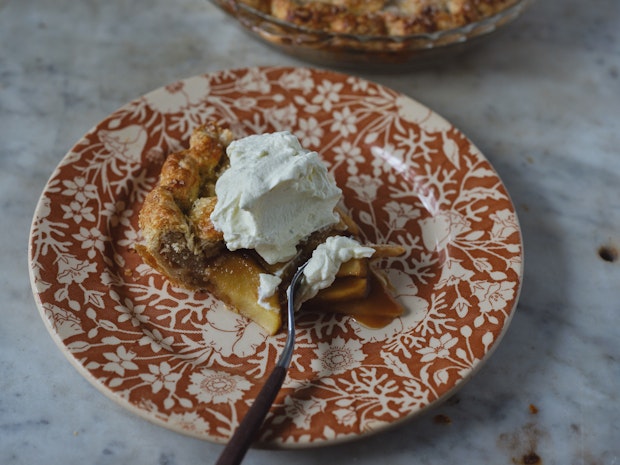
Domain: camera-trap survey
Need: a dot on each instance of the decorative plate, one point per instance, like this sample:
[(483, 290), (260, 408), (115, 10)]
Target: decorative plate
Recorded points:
[(182, 360)]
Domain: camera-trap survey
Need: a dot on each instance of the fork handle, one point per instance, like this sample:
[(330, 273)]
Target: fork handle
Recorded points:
[(247, 430)]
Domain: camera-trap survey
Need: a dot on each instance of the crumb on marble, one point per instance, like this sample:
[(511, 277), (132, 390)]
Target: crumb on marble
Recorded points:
[(608, 253), (531, 459), (522, 444), (442, 419)]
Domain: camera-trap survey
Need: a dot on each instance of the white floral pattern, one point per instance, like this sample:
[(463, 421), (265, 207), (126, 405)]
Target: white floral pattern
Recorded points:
[(217, 387), (181, 359)]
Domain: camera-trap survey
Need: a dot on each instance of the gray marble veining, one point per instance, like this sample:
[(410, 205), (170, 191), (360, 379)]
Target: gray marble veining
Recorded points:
[(541, 100)]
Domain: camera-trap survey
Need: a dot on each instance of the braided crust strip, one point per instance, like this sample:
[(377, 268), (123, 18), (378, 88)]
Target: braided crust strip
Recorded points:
[(175, 220)]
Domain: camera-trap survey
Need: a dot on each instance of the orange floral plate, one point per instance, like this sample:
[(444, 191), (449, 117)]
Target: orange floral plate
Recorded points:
[(181, 360)]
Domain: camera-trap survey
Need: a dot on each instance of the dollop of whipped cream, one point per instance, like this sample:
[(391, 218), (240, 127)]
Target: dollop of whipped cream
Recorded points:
[(273, 196), (320, 272), (268, 286)]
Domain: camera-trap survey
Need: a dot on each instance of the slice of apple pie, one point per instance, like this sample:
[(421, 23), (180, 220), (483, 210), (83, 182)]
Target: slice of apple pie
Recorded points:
[(206, 228)]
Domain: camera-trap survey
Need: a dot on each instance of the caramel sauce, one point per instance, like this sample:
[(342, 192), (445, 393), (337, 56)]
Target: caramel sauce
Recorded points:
[(376, 309)]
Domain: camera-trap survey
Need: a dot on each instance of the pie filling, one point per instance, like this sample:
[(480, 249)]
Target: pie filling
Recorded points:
[(182, 242)]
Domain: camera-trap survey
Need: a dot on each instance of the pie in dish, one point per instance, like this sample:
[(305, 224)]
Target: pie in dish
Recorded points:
[(182, 242), (380, 17)]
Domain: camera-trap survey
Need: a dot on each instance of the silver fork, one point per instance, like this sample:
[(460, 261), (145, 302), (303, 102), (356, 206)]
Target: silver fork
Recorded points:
[(247, 430)]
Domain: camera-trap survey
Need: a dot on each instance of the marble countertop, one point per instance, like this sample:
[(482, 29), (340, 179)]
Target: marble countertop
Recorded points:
[(542, 102)]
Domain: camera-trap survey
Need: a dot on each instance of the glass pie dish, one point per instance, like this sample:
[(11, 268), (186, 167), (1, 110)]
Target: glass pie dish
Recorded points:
[(368, 52)]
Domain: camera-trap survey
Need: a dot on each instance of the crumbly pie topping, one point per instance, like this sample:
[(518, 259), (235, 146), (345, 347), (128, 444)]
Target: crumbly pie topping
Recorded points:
[(380, 17)]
